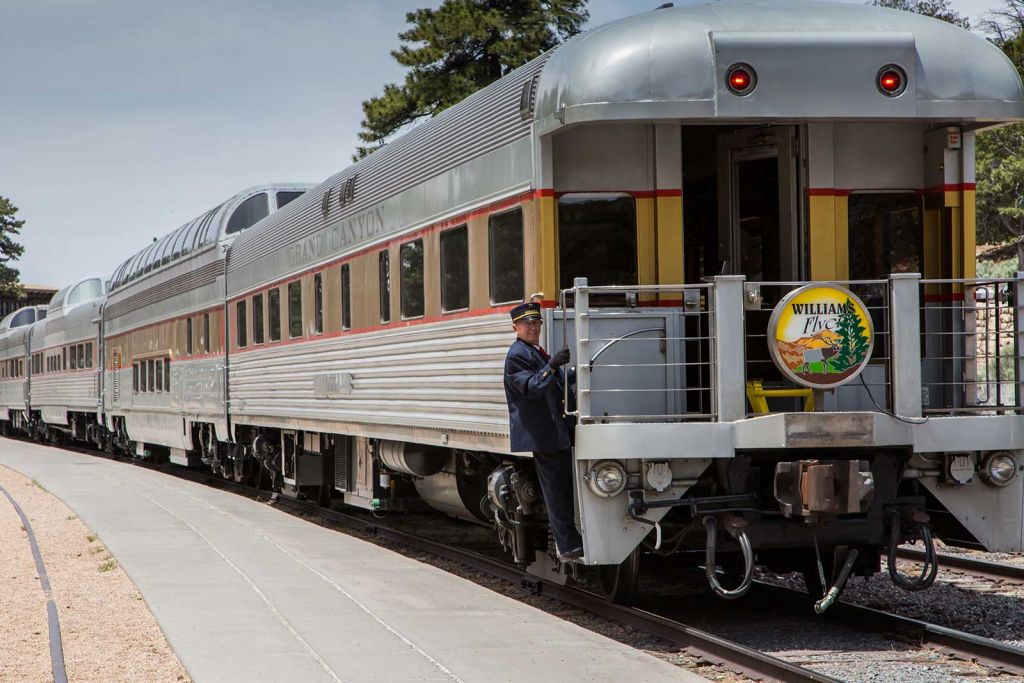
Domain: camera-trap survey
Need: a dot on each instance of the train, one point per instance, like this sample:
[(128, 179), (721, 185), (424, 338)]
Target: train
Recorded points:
[(753, 225)]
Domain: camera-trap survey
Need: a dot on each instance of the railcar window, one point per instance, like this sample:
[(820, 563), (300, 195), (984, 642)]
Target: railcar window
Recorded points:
[(384, 273), (74, 359), (410, 259), (346, 297), (87, 291), (257, 319), (135, 377), (455, 269), (318, 303), (142, 377), (206, 333), (151, 375), (285, 198), (886, 234), (505, 256), (159, 374), (295, 309), (189, 345), (274, 311), (249, 213), (176, 239), (81, 356), (597, 239), (240, 324), (88, 354), (167, 374), (64, 365)]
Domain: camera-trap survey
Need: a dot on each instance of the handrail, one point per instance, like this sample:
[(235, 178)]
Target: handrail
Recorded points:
[(617, 340)]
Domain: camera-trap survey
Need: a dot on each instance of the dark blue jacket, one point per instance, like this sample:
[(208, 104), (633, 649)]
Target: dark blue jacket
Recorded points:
[(536, 422)]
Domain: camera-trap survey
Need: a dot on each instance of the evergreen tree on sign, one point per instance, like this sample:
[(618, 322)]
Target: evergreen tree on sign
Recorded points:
[(460, 47), (9, 249), (853, 348)]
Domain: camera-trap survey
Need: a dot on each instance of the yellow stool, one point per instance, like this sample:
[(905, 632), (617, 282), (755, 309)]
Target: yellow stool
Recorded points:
[(758, 396)]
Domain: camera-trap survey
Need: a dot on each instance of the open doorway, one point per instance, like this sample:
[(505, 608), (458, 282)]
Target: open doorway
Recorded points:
[(740, 217), (740, 203)]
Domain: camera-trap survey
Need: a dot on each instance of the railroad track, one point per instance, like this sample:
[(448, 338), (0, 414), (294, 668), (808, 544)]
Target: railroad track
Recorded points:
[(699, 643), (985, 568), (959, 644)]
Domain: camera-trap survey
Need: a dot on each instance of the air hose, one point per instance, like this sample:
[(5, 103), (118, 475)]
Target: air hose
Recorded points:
[(931, 564), (711, 526)]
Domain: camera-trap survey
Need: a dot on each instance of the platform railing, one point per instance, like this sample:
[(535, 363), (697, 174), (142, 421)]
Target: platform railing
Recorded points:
[(972, 354), (643, 353), (663, 353)]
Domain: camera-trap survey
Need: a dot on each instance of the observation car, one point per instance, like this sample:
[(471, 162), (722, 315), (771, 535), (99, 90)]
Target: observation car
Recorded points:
[(162, 329), (63, 359), (671, 185), (15, 333)]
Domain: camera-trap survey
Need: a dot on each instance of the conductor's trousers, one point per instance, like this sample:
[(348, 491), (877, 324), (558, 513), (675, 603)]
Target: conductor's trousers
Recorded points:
[(555, 473)]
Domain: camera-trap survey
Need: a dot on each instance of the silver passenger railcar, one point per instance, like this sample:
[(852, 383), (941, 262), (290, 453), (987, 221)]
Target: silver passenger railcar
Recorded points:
[(162, 323), (668, 181), (15, 368), (64, 350)]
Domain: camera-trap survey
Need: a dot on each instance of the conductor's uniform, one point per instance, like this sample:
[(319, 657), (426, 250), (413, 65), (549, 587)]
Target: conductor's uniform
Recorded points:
[(534, 387)]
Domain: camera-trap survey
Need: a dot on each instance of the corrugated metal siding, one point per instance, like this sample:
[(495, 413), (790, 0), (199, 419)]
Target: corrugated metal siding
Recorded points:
[(483, 122), (445, 376), (75, 391), (156, 291)]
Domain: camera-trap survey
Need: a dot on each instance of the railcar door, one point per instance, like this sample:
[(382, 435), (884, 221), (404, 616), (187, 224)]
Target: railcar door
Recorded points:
[(758, 225), (757, 214)]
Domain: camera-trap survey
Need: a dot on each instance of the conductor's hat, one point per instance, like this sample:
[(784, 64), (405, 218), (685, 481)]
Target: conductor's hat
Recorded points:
[(524, 312)]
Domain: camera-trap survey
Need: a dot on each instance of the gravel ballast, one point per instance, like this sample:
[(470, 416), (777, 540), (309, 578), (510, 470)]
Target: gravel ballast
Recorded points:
[(108, 632)]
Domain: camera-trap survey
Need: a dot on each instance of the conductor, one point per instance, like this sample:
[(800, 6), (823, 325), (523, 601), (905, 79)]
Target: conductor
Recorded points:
[(534, 384)]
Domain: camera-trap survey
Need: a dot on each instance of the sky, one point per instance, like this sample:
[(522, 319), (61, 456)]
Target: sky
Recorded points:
[(122, 119)]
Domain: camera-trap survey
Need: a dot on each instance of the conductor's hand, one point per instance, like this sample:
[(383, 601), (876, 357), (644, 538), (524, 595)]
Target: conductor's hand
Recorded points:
[(560, 358)]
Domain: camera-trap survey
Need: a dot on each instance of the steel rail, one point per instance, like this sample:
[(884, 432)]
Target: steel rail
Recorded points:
[(985, 568), (991, 653), (53, 623)]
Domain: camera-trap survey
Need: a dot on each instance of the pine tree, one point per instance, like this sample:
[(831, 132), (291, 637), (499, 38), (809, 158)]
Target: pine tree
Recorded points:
[(9, 249), (853, 348), (460, 47)]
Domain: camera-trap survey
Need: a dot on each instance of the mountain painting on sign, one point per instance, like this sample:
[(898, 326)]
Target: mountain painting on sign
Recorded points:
[(820, 336)]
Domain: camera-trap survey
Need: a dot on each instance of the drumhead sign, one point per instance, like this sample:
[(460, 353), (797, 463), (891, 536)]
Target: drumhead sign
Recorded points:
[(820, 336)]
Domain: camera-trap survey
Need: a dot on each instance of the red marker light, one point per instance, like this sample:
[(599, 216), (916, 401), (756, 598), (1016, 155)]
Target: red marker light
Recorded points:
[(891, 80), (741, 79)]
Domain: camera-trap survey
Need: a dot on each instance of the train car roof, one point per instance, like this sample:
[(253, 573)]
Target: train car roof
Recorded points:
[(77, 293), (194, 235), (24, 316), (812, 60)]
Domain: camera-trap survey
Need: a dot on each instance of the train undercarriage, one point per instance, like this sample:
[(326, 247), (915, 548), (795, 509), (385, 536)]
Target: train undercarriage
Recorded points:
[(827, 519)]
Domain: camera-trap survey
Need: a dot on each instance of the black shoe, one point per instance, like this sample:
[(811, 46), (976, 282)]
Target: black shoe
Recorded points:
[(571, 555)]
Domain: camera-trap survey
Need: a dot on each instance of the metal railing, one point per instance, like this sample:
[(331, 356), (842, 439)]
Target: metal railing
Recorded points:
[(642, 353), (971, 346), (673, 353)]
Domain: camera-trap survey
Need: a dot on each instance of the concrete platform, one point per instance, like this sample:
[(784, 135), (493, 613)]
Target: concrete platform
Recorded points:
[(245, 592)]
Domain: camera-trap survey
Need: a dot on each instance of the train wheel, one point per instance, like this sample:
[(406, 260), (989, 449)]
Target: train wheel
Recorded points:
[(621, 583)]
